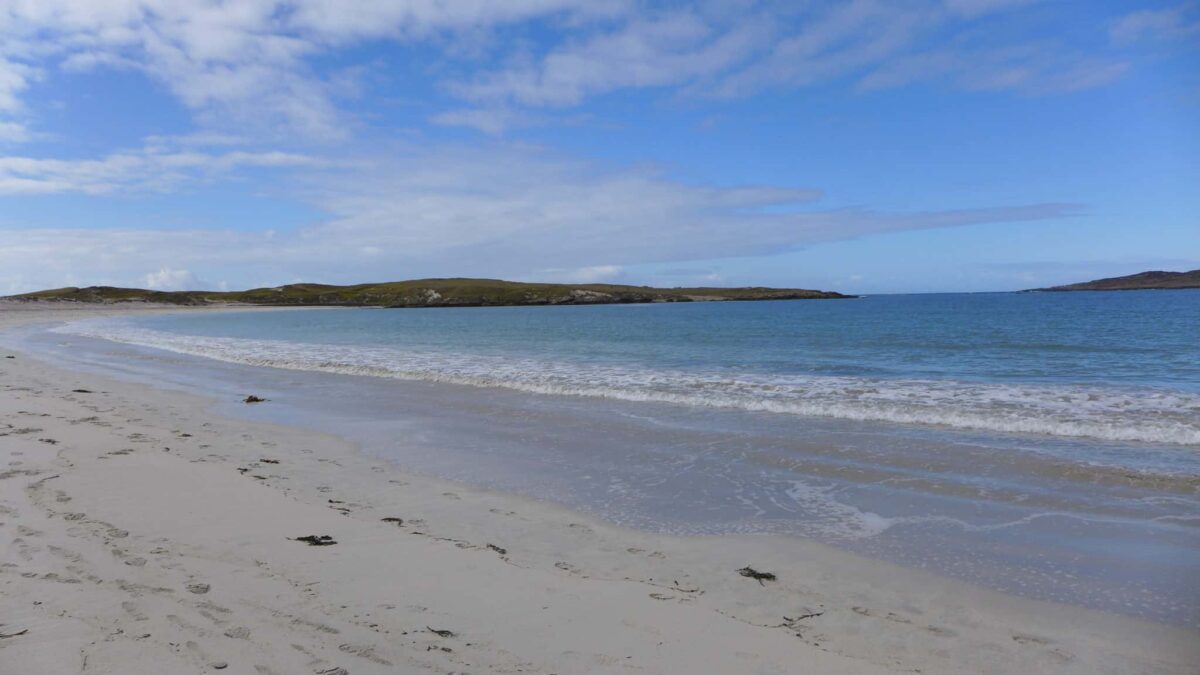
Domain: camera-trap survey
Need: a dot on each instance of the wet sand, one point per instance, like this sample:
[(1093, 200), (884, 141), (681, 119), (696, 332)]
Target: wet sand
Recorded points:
[(144, 533)]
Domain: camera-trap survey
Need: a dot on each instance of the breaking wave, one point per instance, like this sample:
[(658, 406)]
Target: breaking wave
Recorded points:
[(1111, 414)]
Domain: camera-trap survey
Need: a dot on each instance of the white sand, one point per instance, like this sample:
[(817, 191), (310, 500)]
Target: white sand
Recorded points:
[(132, 543)]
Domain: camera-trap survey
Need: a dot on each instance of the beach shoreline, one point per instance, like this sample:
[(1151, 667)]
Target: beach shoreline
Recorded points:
[(145, 533)]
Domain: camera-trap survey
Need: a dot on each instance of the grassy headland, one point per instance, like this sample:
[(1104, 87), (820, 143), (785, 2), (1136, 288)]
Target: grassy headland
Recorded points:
[(427, 293), (1134, 282)]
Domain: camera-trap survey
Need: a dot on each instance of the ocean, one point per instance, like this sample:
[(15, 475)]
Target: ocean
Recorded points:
[(1046, 444)]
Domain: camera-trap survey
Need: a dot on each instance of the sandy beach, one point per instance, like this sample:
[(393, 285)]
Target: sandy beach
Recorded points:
[(143, 533)]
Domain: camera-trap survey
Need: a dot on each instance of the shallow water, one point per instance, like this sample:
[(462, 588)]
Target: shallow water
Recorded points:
[(1120, 367), (1043, 448)]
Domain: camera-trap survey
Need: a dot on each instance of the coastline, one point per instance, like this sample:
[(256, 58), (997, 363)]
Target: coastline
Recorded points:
[(140, 496)]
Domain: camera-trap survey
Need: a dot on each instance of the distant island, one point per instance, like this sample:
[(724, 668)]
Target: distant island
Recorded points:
[(1133, 282), (427, 293)]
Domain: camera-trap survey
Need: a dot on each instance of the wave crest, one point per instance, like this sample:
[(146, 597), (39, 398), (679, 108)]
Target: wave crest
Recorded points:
[(1128, 415)]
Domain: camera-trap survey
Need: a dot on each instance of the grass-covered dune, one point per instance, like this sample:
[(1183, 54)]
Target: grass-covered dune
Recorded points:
[(427, 293)]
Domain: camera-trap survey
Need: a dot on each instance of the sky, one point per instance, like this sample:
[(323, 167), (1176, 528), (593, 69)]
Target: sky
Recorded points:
[(862, 146)]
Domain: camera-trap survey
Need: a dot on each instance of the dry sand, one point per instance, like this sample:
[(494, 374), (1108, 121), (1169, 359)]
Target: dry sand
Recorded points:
[(141, 533)]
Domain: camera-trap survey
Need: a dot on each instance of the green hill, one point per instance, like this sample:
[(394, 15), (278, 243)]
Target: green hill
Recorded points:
[(1133, 282), (426, 293)]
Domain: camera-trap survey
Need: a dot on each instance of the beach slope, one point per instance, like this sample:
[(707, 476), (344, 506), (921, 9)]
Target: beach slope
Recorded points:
[(141, 533)]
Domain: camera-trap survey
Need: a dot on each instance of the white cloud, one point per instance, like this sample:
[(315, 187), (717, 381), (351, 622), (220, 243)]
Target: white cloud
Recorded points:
[(153, 168), (1032, 68), (506, 210), (729, 54), (665, 50), (1172, 23), (14, 78), (828, 45), (974, 8), (593, 274), (422, 18), (507, 207), (14, 132), (251, 65), (168, 279), (492, 121), (242, 63)]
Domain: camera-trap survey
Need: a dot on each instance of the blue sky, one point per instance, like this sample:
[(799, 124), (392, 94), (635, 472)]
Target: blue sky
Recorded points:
[(868, 147)]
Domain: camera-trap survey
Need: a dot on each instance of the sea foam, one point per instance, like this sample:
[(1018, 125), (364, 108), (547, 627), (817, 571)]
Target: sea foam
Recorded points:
[(1105, 413)]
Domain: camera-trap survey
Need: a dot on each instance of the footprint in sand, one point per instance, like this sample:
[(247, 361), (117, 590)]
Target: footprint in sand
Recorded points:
[(65, 554), (206, 606), (132, 609), (1060, 656), (188, 626), (54, 576), (139, 589), (567, 567), (24, 550), (890, 616), (203, 656), (365, 652), (314, 625)]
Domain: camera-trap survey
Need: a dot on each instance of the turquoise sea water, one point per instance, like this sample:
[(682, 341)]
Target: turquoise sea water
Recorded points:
[(1044, 444), (1123, 367)]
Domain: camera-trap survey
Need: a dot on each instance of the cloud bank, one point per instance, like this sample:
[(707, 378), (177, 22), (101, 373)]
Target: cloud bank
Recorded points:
[(500, 211)]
